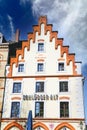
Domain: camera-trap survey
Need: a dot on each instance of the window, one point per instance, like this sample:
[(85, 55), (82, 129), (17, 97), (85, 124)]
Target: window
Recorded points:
[(63, 86), (39, 86), (39, 109), (64, 128), (39, 128), (15, 109), (21, 68), (40, 67), (40, 46), (17, 87), (64, 109), (60, 66)]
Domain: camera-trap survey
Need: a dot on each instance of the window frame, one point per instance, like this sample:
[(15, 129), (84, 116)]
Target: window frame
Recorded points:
[(61, 66), (17, 89), (21, 67), (12, 109), (63, 88), (39, 89), (39, 109), (41, 47), (65, 113), (40, 67)]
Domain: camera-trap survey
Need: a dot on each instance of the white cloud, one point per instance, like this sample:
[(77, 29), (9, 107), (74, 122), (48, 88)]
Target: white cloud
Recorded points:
[(11, 26), (69, 17), (23, 2)]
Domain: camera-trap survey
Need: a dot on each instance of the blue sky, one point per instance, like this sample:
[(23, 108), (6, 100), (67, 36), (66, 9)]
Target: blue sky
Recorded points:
[(69, 18)]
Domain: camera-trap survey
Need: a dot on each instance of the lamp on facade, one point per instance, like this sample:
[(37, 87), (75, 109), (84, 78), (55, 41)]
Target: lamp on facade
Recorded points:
[(81, 125)]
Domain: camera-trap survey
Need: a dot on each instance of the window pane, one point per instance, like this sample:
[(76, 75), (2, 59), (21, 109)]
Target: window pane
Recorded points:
[(21, 68), (39, 86), (15, 109), (39, 109), (17, 88), (40, 67), (40, 47), (64, 109), (61, 66), (63, 86)]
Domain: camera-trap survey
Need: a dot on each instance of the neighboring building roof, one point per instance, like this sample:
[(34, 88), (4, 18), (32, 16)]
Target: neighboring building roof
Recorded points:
[(12, 49), (2, 39)]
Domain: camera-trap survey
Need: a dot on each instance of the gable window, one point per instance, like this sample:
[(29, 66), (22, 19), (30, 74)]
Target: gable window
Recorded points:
[(21, 68), (17, 87), (40, 67), (15, 109), (60, 66), (40, 46), (63, 86), (39, 86), (39, 109), (64, 109)]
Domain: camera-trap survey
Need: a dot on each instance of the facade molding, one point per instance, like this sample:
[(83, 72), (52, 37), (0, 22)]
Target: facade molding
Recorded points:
[(37, 119), (39, 124), (13, 124), (64, 124), (64, 97), (16, 98), (45, 76)]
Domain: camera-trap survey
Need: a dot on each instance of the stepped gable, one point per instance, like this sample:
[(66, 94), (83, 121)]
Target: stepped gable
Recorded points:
[(53, 34)]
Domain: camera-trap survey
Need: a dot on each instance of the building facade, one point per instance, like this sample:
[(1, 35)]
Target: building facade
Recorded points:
[(3, 61), (43, 77)]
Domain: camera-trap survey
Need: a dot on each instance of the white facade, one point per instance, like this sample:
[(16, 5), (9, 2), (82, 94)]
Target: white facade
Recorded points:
[(52, 67)]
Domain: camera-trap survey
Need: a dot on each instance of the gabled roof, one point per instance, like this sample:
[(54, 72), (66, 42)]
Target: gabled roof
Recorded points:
[(17, 48)]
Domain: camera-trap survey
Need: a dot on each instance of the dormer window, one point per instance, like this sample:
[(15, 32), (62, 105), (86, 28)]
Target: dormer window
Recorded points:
[(40, 47)]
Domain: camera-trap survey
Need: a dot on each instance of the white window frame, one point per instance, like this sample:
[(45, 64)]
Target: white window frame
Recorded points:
[(40, 49), (11, 109), (36, 88), (59, 86), (38, 66), (59, 69), (13, 87), (65, 100), (23, 68), (43, 108)]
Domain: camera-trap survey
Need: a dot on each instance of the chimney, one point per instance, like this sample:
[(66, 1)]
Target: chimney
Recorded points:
[(17, 34)]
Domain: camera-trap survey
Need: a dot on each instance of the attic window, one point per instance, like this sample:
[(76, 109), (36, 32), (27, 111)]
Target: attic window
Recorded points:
[(40, 47), (61, 66), (21, 68)]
